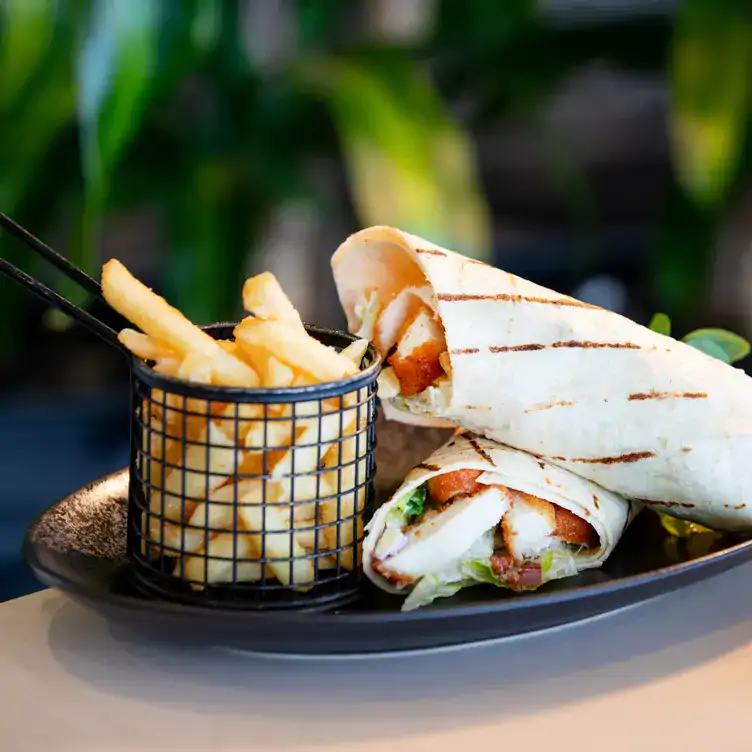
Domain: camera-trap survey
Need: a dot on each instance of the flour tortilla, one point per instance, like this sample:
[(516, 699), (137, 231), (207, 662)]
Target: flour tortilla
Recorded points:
[(637, 412), (607, 512)]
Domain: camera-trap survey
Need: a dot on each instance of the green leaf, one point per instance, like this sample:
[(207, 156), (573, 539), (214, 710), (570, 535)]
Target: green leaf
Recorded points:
[(29, 136), (115, 70), (117, 64), (316, 21), (410, 505), (711, 72), (731, 346), (206, 24), (211, 220), (710, 347), (409, 164), (44, 99), (482, 572), (660, 323), (28, 27), (37, 90), (414, 503)]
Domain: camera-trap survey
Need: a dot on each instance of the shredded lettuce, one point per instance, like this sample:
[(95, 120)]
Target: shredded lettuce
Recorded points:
[(431, 587), (433, 400), (389, 386), (414, 503), (401, 403), (428, 589), (557, 564), (475, 569), (480, 571), (409, 506), (367, 312)]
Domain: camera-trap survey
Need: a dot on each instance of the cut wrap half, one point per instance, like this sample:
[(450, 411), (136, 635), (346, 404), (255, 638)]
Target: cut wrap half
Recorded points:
[(477, 512), (637, 412)]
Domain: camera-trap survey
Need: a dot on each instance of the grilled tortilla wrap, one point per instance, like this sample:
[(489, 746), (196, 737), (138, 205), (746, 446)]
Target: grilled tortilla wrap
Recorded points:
[(479, 512), (637, 412)]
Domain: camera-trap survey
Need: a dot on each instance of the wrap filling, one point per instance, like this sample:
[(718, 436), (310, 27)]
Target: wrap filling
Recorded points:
[(465, 527), (409, 335)]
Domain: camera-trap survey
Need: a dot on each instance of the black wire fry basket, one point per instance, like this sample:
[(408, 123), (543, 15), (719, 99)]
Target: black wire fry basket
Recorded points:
[(247, 497), (255, 498)]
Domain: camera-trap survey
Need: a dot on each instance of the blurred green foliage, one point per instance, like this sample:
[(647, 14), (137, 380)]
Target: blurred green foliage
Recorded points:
[(107, 105)]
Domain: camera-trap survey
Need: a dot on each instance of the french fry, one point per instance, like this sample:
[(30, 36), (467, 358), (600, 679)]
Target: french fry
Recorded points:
[(195, 368), (167, 365), (215, 564), (216, 513), (350, 453), (264, 297), (355, 351), (274, 374), (278, 545), (293, 347), (324, 364), (143, 346), (313, 435), (307, 488), (154, 316), (199, 487), (254, 432), (229, 346), (204, 470)]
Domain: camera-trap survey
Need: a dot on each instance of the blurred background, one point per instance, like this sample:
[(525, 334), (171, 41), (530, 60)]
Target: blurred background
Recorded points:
[(599, 147)]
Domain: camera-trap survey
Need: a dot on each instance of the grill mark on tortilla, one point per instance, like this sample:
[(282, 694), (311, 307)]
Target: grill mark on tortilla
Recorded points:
[(666, 395), (738, 506), (449, 297), (686, 450), (516, 348), (430, 252), (482, 452), (572, 344), (595, 502), (541, 464), (426, 466), (587, 344), (465, 351), (548, 406), (628, 457), (683, 504)]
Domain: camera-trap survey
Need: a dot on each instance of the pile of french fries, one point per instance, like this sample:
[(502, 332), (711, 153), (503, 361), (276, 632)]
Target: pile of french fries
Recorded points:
[(192, 488)]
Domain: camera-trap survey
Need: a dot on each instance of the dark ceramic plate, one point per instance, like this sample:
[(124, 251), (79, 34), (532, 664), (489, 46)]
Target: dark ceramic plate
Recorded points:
[(79, 545)]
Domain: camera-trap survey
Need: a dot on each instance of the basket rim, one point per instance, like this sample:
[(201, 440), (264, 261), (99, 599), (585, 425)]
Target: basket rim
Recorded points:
[(145, 373)]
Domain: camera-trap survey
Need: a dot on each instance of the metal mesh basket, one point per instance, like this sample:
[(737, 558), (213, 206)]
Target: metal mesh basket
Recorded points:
[(223, 511)]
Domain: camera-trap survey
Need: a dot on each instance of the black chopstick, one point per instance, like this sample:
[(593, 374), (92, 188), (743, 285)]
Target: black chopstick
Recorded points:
[(87, 283), (60, 262), (80, 315)]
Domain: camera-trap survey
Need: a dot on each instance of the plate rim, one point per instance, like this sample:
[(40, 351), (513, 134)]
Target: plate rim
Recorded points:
[(302, 615)]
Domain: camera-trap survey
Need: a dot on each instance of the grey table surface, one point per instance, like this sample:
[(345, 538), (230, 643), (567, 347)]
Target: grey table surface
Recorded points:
[(673, 673)]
